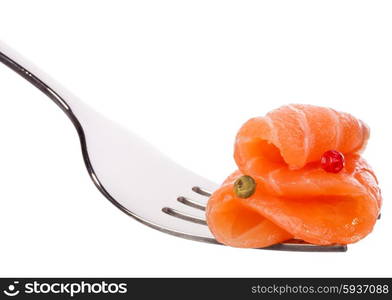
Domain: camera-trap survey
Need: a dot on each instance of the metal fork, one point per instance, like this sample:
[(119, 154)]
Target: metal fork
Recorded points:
[(132, 174)]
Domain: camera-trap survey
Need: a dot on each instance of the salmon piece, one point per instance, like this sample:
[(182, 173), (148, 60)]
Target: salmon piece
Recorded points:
[(325, 219), (365, 175), (310, 180), (234, 223), (296, 135), (284, 149), (295, 197)]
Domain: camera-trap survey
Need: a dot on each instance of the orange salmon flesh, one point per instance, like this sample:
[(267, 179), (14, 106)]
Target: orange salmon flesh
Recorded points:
[(295, 197)]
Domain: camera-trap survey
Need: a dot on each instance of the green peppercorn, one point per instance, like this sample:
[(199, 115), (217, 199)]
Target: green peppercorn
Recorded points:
[(244, 186)]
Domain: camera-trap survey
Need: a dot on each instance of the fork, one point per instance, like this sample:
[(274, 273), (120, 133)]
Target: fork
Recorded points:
[(132, 174)]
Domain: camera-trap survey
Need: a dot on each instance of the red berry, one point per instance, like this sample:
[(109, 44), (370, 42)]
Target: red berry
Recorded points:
[(332, 161)]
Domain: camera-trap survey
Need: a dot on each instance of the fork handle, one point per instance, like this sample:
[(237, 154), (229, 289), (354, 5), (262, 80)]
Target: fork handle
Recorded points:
[(64, 99)]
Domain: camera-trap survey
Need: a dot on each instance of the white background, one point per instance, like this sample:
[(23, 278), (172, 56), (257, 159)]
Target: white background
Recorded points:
[(185, 75)]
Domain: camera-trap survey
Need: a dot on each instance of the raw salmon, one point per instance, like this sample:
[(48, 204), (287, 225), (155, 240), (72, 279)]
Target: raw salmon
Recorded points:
[(233, 222), (294, 196)]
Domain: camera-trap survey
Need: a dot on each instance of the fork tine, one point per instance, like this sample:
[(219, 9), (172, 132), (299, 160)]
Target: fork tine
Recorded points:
[(201, 191), (191, 203), (175, 213), (305, 247)]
